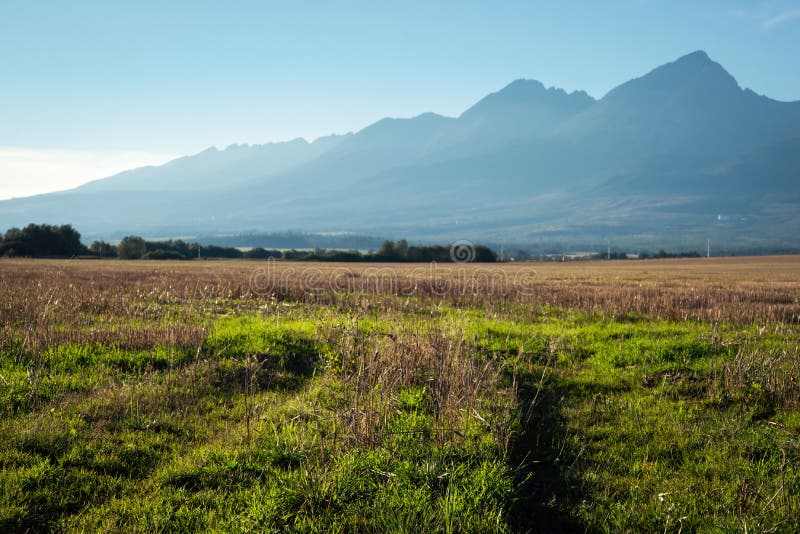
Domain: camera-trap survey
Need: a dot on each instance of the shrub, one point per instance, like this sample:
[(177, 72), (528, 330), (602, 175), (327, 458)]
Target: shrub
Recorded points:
[(161, 254)]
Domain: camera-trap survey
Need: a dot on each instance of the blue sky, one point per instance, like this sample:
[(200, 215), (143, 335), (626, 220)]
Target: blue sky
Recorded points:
[(143, 81)]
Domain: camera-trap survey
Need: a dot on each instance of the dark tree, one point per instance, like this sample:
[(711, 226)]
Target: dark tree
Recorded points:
[(103, 249), (401, 248), (387, 249), (131, 248), (484, 254)]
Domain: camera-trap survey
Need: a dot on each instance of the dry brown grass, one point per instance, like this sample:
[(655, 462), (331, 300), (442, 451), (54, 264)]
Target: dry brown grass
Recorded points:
[(768, 376), (378, 366), (81, 294)]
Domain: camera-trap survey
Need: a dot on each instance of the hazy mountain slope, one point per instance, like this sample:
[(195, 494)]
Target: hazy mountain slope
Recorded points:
[(768, 171), (217, 169), (659, 156), (384, 144), (501, 138), (524, 109)]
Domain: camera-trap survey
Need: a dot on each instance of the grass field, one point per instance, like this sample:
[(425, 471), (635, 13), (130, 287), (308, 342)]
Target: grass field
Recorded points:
[(607, 396)]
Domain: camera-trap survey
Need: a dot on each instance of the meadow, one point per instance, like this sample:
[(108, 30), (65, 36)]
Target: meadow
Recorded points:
[(245, 396)]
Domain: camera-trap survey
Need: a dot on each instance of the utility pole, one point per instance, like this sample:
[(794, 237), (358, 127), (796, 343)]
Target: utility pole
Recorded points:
[(708, 248), (609, 249)]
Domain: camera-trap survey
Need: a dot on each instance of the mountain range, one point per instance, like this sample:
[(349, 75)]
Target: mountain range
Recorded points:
[(673, 158)]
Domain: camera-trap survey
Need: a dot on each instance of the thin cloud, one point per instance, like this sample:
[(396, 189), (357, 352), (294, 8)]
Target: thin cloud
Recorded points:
[(786, 16), (31, 171)]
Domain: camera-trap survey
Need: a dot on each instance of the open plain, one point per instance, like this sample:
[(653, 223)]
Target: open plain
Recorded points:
[(639, 395)]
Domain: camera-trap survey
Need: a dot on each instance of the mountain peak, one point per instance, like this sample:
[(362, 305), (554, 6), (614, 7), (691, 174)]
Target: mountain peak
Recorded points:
[(522, 87), (696, 56), (697, 66), (527, 90), (695, 73), (524, 93)]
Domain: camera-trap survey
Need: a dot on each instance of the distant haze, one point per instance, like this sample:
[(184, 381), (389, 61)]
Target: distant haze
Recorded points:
[(26, 171)]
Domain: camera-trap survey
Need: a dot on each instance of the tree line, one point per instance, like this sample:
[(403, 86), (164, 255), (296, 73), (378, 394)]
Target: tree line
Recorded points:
[(51, 241), (42, 240), (134, 247), (392, 251)]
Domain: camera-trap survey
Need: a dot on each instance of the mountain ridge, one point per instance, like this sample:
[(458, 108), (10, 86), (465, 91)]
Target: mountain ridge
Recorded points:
[(519, 163)]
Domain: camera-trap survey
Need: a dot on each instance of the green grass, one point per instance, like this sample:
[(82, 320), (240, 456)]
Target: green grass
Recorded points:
[(442, 419)]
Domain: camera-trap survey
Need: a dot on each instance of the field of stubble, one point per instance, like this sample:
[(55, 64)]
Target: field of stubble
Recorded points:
[(657, 395)]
